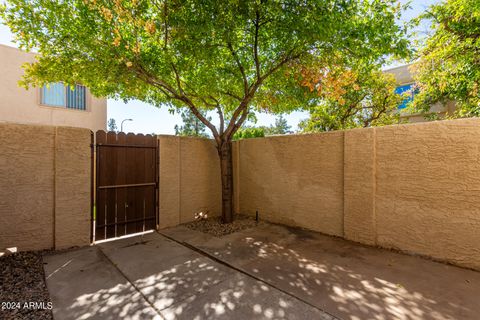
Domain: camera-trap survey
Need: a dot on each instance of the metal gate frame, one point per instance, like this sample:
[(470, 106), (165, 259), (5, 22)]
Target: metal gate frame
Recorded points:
[(97, 150)]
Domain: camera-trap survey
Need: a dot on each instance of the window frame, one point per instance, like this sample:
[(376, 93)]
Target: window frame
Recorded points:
[(64, 106), (412, 93)]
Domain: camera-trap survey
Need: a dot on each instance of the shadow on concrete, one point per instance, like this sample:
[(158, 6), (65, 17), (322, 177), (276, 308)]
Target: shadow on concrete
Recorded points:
[(183, 284), (286, 273), (84, 285), (347, 280)]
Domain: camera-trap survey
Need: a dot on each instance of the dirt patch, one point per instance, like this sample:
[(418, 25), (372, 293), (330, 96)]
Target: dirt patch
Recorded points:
[(23, 292), (215, 227)]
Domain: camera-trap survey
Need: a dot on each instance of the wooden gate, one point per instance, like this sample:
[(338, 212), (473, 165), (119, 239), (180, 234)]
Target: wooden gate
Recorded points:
[(126, 184)]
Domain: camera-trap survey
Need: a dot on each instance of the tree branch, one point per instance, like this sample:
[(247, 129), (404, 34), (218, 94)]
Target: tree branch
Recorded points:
[(288, 57), (204, 120), (351, 108), (367, 122), (253, 88), (165, 18), (222, 119), (153, 80), (166, 23), (177, 78), (232, 95), (255, 46), (240, 67), (243, 106), (237, 124), (240, 121), (163, 86)]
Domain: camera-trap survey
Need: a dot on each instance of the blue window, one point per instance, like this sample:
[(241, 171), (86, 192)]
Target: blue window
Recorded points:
[(59, 95), (410, 90), (53, 95)]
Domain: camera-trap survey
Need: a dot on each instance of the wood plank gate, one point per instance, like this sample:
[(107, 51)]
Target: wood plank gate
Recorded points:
[(126, 184)]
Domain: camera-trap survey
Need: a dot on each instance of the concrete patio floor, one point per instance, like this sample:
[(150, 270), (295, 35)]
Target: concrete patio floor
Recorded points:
[(266, 272), (347, 280), (152, 277)]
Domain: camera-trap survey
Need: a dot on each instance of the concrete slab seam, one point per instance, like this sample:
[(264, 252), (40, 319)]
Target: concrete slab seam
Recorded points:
[(211, 257), (133, 285)]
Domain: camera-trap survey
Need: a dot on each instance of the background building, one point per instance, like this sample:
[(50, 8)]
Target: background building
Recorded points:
[(406, 83), (55, 104)]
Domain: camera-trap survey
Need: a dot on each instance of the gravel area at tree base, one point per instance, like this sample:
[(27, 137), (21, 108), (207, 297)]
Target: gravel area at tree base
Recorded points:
[(23, 292), (215, 227)]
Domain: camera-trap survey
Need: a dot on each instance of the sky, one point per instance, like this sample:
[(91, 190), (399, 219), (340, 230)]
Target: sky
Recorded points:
[(149, 119)]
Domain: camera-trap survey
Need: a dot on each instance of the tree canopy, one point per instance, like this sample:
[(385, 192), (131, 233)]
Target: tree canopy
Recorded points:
[(199, 54), (449, 61), (248, 132), (349, 96), (230, 56), (280, 126), (112, 125)]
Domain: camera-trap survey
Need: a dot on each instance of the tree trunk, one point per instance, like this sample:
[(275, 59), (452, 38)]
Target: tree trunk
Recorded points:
[(226, 169)]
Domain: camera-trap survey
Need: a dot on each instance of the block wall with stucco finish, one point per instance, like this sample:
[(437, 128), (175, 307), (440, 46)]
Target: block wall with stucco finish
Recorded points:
[(189, 179), (414, 187), (428, 189), (295, 180), (72, 187), (44, 187), (359, 184), (26, 187)]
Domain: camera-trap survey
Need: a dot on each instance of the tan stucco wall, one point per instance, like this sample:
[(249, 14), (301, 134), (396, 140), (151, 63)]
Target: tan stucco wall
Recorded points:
[(359, 188), (411, 187), (18, 105), (72, 187), (200, 182), (428, 189), (44, 187), (169, 177), (296, 180), (189, 179), (26, 186)]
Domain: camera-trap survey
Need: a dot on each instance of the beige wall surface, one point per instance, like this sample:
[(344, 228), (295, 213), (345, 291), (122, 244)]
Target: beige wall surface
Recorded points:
[(44, 187), (169, 177), (200, 181), (26, 187), (359, 186), (45, 184), (296, 180), (402, 74), (18, 105), (189, 179), (412, 187), (428, 189), (72, 187)]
